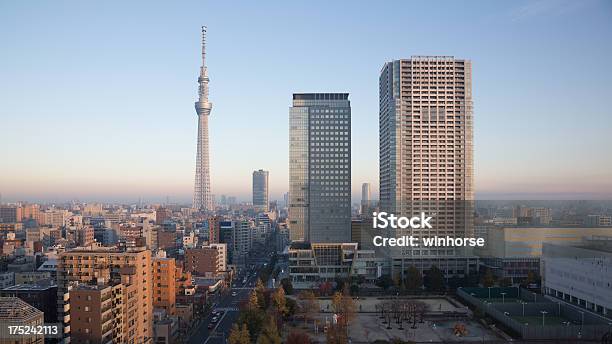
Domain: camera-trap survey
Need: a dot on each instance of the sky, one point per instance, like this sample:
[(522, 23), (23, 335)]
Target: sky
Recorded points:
[(97, 98)]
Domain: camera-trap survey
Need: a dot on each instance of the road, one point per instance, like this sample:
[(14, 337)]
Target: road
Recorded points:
[(229, 304)]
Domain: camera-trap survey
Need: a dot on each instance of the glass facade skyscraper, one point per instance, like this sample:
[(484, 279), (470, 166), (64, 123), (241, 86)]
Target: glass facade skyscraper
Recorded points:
[(260, 190), (320, 168)]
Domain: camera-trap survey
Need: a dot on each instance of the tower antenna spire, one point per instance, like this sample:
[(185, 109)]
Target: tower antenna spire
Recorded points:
[(203, 46)]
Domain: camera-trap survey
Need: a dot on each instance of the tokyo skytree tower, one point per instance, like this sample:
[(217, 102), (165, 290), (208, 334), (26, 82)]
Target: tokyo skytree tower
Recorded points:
[(202, 196)]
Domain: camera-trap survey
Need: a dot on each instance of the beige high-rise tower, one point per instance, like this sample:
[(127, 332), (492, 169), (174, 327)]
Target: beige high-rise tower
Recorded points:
[(426, 150)]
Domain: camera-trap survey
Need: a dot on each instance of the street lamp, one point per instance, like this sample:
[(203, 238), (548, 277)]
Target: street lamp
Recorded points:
[(543, 316), (503, 297)]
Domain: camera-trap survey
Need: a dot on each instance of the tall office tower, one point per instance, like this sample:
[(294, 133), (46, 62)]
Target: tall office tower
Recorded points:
[(366, 197), (366, 192), (260, 190), (320, 168), (202, 195), (109, 266), (426, 152)]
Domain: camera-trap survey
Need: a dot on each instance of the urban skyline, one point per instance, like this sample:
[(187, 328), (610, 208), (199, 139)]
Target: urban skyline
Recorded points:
[(367, 121), (158, 164)]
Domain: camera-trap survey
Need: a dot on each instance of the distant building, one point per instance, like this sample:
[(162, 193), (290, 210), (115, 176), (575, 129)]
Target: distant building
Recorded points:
[(85, 236), (243, 240), (226, 236), (213, 230), (203, 261), (366, 197), (598, 221), (31, 277), (166, 240), (260, 190), (162, 215), (320, 168), (222, 252), (10, 214)]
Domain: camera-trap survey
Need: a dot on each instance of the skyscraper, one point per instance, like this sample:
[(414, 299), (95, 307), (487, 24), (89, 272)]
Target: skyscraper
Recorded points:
[(426, 130), (260, 190), (426, 152), (320, 168), (366, 197), (202, 196)]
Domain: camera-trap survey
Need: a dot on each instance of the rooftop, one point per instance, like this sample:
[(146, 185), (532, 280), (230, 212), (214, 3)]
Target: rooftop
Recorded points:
[(15, 310), (320, 96), (30, 287)]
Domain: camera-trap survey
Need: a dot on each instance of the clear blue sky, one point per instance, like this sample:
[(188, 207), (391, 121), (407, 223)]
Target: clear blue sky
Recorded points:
[(96, 98)]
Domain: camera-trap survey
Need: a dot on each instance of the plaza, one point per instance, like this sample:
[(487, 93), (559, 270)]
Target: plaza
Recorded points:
[(437, 324)]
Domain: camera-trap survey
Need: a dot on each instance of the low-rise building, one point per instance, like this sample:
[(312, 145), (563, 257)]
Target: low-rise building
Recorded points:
[(16, 312), (41, 296), (514, 252), (312, 264), (580, 274)]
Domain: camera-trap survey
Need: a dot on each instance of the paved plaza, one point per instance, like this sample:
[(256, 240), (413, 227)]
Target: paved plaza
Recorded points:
[(368, 325), (365, 305)]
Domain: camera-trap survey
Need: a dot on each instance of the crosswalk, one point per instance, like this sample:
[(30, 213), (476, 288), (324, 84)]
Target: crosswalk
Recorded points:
[(227, 309)]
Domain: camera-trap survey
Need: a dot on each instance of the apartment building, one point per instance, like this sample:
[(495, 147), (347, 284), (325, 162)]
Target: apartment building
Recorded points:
[(164, 284), (426, 155), (97, 314), (130, 267), (203, 261)]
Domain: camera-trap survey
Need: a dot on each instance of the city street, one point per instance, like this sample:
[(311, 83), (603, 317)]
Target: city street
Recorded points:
[(230, 306)]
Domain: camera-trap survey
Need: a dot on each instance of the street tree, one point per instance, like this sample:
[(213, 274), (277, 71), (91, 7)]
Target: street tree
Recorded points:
[(308, 305), (296, 337), (414, 279), (434, 280), (269, 332)]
